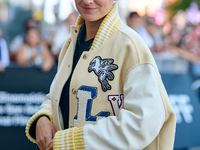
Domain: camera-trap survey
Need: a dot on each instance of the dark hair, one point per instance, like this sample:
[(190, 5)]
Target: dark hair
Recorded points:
[(133, 14), (26, 24)]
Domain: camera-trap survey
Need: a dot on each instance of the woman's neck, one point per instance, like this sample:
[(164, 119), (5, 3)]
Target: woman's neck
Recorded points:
[(92, 28)]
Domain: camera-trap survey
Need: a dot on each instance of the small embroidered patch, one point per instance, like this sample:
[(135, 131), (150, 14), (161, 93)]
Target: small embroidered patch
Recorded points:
[(116, 102), (103, 69)]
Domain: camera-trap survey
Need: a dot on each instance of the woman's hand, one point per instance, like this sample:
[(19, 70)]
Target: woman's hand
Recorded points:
[(50, 145), (45, 132)]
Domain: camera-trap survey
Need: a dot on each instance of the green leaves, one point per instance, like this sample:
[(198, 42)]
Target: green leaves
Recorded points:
[(173, 8)]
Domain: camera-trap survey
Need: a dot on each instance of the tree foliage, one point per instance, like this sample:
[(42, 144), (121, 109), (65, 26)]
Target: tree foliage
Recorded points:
[(179, 5)]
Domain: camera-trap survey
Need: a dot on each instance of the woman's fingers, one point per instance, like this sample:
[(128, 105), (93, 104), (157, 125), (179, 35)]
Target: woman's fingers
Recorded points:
[(45, 131), (50, 147)]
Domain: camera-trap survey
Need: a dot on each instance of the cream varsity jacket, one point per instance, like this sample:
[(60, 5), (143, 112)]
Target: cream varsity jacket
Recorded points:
[(117, 99)]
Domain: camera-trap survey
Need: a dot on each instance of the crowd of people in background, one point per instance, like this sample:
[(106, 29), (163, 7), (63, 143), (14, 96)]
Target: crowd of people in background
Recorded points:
[(184, 42), (170, 39), (32, 49)]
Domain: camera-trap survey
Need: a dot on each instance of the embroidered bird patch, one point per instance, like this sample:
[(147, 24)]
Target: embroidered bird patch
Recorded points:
[(103, 69)]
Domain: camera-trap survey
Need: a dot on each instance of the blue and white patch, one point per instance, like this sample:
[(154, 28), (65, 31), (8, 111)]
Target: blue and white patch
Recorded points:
[(103, 69), (85, 96)]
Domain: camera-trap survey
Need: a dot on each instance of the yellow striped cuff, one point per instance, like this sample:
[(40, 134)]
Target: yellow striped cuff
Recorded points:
[(71, 139), (31, 121)]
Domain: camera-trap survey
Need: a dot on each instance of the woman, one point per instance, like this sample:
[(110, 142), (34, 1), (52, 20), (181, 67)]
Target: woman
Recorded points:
[(34, 52), (113, 98)]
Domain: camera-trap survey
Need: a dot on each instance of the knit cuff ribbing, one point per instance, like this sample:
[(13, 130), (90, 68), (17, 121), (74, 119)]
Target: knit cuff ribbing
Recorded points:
[(69, 139), (30, 123)]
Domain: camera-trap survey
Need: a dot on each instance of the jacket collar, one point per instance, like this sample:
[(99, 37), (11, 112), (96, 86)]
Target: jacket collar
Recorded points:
[(107, 28)]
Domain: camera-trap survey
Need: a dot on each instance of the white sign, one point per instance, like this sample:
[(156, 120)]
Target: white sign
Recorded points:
[(17, 108), (182, 108)]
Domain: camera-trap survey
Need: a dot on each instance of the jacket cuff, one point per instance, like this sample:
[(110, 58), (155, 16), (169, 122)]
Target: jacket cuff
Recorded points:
[(69, 139), (32, 121)]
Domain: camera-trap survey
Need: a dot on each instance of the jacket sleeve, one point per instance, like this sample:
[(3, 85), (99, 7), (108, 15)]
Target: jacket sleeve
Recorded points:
[(44, 110), (137, 125)]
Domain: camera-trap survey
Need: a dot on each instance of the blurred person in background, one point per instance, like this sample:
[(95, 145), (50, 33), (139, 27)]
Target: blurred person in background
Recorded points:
[(186, 44), (4, 53), (173, 45), (19, 39), (166, 44), (155, 32), (191, 42), (62, 33), (135, 21), (34, 52)]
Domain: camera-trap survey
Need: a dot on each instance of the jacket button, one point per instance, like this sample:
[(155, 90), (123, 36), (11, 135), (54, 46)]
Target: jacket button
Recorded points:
[(69, 65), (76, 31), (74, 91), (85, 56)]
